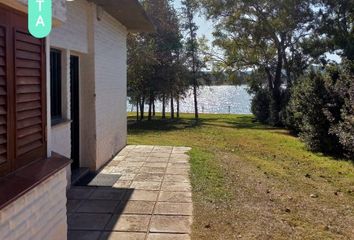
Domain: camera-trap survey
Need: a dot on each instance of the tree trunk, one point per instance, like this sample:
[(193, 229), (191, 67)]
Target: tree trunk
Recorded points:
[(150, 107), (137, 109), (153, 108), (142, 108), (196, 115), (275, 105), (163, 106), (172, 108), (177, 100)]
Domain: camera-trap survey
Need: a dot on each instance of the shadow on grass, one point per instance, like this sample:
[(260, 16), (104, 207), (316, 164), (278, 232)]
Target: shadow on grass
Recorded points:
[(227, 121), (163, 125)]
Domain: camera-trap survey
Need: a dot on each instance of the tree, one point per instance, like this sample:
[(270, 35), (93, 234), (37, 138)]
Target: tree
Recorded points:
[(188, 12), (153, 58), (141, 62), (264, 35), (167, 39), (334, 27)]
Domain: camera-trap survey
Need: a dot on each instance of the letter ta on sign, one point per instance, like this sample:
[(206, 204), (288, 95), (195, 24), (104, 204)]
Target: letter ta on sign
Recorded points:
[(40, 17)]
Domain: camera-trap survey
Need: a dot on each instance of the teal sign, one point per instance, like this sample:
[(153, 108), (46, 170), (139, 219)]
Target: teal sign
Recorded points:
[(39, 17)]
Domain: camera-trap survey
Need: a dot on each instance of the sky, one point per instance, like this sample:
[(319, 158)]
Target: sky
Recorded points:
[(205, 26)]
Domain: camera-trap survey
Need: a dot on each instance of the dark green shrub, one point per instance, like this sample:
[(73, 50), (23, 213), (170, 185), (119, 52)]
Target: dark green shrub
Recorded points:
[(321, 110), (309, 100), (340, 112), (260, 105)]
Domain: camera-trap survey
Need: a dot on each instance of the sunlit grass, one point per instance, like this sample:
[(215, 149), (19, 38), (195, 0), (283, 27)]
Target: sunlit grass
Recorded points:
[(250, 173)]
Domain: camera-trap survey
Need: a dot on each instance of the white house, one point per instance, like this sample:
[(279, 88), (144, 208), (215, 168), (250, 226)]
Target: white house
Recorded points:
[(64, 94)]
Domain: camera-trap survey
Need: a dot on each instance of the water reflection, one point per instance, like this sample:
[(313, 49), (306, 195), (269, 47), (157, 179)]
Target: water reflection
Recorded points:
[(213, 99)]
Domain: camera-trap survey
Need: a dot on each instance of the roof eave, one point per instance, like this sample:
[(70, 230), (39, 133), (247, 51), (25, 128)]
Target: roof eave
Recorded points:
[(128, 12)]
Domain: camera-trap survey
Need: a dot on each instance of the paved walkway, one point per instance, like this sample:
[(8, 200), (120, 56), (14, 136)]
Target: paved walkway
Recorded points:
[(150, 201)]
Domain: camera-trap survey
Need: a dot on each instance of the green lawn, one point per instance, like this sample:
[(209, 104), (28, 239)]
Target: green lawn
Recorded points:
[(251, 181)]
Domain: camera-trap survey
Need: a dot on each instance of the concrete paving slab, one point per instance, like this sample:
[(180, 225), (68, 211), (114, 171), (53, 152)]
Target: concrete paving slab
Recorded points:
[(88, 221), (150, 200), (129, 223), (179, 197), (149, 177), (170, 224), (168, 208), (122, 184), (152, 169), (146, 185), (136, 207), (177, 171), (155, 164), (167, 236), (108, 194), (143, 195), (72, 205), (83, 235), (176, 187), (97, 206), (176, 178), (79, 192), (123, 236)]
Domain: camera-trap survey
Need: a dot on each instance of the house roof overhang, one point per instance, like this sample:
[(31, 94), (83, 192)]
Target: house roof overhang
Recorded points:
[(129, 12)]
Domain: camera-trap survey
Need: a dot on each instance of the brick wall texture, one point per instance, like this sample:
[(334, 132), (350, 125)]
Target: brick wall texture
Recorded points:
[(40, 214)]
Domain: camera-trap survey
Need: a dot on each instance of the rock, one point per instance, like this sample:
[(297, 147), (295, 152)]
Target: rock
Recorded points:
[(287, 210), (314, 196), (208, 225)]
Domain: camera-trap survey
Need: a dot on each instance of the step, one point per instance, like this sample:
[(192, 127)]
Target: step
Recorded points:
[(78, 174)]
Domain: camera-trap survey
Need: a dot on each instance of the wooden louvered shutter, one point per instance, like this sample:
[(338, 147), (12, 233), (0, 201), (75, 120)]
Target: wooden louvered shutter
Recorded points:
[(22, 93), (30, 98), (5, 160)]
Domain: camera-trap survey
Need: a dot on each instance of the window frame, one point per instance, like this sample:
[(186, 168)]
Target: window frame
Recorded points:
[(56, 94)]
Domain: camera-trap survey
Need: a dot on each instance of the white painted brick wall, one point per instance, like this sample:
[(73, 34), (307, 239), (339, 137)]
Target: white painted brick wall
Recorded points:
[(40, 214), (59, 8), (103, 100), (72, 34), (61, 142), (111, 87)]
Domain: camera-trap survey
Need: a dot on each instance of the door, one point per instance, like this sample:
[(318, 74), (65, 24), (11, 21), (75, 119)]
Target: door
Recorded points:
[(22, 93), (75, 111)]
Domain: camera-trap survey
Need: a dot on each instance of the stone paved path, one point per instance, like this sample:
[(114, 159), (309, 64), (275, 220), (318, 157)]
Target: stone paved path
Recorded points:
[(152, 199)]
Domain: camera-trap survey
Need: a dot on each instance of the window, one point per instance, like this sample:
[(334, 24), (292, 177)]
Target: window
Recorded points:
[(55, 85)]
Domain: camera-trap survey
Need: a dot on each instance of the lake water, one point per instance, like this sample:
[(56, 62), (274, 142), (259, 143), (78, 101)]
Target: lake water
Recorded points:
[(213, 99)]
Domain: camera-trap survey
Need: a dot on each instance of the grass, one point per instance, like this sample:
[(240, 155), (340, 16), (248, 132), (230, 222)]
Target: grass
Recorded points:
[(252, 181)]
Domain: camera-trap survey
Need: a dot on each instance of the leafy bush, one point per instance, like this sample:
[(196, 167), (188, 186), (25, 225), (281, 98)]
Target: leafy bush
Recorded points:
[(340, 82), (307, 107), (260, 105), (321, 110)]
